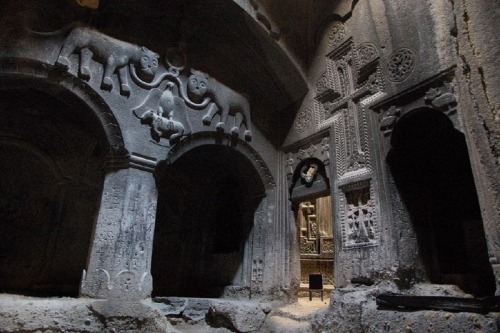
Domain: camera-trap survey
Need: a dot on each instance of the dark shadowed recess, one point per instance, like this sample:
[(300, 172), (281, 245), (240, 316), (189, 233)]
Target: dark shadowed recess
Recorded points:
[(206, 205), (431, 167), (51, 156)]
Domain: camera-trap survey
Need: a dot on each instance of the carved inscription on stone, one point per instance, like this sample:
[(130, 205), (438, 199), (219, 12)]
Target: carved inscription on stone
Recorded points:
[(358, 222), (401, 64)]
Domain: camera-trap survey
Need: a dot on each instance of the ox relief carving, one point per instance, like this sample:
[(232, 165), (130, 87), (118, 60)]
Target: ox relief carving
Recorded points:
[(113, 54), (442, 98), (358, 218), (352, 81), (171, 90)]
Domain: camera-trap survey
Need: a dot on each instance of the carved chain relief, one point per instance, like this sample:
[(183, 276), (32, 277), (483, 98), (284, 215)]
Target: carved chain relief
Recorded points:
[(358, 218), (164, 109)]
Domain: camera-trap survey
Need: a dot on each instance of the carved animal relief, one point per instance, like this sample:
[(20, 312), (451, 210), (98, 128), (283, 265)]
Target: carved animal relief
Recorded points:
[(225, 102), (158, 111), (113, 54)]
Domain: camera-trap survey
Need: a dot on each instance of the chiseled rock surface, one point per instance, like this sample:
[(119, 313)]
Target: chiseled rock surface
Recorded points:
[(29, 314), (355, 310), (244, 316)]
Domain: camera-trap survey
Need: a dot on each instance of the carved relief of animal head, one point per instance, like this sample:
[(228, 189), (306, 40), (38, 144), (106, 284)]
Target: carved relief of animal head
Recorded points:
[(148, 62), (198, 85)]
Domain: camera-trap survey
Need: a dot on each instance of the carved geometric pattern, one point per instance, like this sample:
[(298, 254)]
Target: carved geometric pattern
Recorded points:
[(326, 245), (358, 215), (322, 84), (367, 52), (307, 246), (336, 34), (401, 64), (304, 119), (314, 266)]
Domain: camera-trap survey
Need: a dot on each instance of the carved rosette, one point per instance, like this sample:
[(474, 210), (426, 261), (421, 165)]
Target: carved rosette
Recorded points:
[(367, 52), (304, 119), (358, 215), (400, 65), (336, 34)]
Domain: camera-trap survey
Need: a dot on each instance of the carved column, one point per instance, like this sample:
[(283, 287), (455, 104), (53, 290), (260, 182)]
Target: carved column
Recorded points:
[(119, 262)]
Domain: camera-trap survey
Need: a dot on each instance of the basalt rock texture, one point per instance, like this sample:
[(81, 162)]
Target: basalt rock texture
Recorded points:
[(219, 155)]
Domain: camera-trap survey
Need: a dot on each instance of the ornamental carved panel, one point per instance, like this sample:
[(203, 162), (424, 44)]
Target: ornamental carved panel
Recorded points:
[(358, 215)]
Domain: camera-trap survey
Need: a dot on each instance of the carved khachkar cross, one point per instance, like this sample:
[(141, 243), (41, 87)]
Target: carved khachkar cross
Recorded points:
[(353, 79)]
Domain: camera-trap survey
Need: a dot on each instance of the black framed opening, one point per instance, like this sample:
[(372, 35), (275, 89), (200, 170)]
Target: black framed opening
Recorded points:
[(51, 155), (430, 164), (206, 204)]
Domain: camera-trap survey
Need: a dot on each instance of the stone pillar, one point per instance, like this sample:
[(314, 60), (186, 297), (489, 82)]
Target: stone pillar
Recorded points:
[(122, 245)]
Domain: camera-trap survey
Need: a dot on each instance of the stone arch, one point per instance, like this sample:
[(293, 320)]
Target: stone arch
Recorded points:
[(430, 165), (56, 133), (242, 147), (209, 198), (37, 75)]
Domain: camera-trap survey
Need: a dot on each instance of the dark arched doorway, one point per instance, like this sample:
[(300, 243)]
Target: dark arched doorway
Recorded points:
[(430, 164), (312, 208), (51, 155), (206, 204)]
